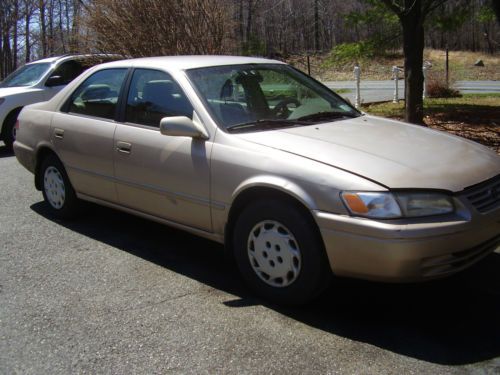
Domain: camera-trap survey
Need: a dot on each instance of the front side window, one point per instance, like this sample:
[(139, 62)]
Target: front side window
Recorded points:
[(153, 95), (27, 75), (266, 96), (98, 95)]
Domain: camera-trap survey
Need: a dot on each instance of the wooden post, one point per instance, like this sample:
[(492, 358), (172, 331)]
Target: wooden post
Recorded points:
[(357, 77), (395, 76), (447, 69)]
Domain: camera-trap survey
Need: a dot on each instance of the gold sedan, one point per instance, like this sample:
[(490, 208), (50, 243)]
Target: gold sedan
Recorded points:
[(252, 153)]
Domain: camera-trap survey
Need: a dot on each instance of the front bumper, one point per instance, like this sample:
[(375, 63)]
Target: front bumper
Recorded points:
[(406, 252)]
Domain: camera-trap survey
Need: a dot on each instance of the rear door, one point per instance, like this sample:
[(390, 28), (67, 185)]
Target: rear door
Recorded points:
[(83, 133), (164, 176)]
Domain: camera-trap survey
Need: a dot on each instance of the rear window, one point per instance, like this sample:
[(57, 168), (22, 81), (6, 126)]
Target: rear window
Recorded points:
[(98, 95)]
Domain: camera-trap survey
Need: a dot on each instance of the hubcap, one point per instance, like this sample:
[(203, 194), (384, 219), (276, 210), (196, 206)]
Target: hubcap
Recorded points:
[(274, 253), (53, 184), (14, 132)]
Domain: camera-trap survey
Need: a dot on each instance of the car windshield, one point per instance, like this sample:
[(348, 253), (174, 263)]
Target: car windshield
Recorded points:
[(266, 96), (27, 75)]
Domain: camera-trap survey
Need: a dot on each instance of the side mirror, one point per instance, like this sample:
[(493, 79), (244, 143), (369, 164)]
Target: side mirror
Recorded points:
[(182, 126), (54, 81)]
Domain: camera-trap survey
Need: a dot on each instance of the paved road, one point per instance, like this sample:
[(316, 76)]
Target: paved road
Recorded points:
[(377, 91), (112, 293)]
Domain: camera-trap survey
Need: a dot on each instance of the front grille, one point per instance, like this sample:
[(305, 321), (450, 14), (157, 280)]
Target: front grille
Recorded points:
[(485, 196), (450, 263)]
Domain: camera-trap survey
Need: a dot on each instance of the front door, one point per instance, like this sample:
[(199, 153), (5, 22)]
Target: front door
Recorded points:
[(160, 175)]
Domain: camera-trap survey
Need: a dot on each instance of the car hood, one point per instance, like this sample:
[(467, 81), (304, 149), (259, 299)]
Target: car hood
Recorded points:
[(391, 153), (9, 91)]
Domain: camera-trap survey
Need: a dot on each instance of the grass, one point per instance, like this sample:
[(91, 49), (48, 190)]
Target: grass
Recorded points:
[(473, 116), (342, 91), (461, 64), (467, 102)]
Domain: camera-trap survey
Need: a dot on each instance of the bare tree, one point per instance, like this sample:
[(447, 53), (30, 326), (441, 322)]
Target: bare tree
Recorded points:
[(33, 29), (9, 12), (158, 27)]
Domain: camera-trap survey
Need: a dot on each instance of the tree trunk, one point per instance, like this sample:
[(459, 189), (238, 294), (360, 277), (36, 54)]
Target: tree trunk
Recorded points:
[(14, 38), (413, 48), (61, 28), (486, 34), (7, 52), (75, 28), (249, 20), (43, 27), (495, 4), (240, 22), (27, 43), (51, 27), (2, 76), (316, 25)]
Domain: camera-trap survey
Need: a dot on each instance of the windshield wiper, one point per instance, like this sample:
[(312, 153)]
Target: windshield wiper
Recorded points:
[(266, 124), (328, 115)]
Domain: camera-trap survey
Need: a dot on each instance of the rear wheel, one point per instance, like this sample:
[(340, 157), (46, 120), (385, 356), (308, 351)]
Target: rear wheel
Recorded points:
[(280, 253), (57, 190)]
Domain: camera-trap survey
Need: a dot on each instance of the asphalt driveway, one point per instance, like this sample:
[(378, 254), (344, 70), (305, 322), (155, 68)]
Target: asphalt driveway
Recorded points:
[(112, 293), (381, 91)]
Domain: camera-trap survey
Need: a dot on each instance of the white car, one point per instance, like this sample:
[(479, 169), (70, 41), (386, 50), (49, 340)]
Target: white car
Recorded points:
[(37, 82)]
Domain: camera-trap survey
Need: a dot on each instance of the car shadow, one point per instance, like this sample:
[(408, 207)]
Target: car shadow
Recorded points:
[(452, 322), (4, 151)]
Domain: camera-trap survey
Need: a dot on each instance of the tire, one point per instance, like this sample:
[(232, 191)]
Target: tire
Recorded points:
[(8, 129), (280, 253), (57, 190)]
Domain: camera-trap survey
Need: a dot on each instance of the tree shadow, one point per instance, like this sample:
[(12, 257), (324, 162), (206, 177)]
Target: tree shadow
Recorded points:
[(451, 322), (469, 113)]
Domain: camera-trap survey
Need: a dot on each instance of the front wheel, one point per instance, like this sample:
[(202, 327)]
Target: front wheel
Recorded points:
[(9, 129), (280, 253), (57, 190)]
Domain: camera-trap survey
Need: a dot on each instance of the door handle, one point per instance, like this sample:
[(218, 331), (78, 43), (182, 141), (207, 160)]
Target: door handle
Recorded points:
[(124, 147), (58, 133)]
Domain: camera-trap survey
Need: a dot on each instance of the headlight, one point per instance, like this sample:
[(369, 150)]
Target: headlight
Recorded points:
[(424, 204), (385, 205)]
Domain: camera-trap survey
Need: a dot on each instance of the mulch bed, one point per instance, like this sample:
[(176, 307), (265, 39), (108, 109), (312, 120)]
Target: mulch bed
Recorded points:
[(482, 126)]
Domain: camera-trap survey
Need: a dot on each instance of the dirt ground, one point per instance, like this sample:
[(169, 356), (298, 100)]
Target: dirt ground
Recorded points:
[(484, 130), (474, 116), (461, 66)]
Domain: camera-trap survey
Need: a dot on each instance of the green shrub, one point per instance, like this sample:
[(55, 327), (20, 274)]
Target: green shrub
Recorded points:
[(349, 53)]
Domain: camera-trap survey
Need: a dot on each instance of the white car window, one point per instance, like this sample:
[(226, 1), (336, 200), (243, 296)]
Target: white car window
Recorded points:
[(27, 75)]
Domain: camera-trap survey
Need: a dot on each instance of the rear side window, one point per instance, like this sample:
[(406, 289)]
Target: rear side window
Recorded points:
[(153, 95), (68, 71), (98, 95)]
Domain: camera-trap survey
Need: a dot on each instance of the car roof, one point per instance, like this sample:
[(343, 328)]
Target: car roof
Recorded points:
[(190, 62), (54, 59)]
